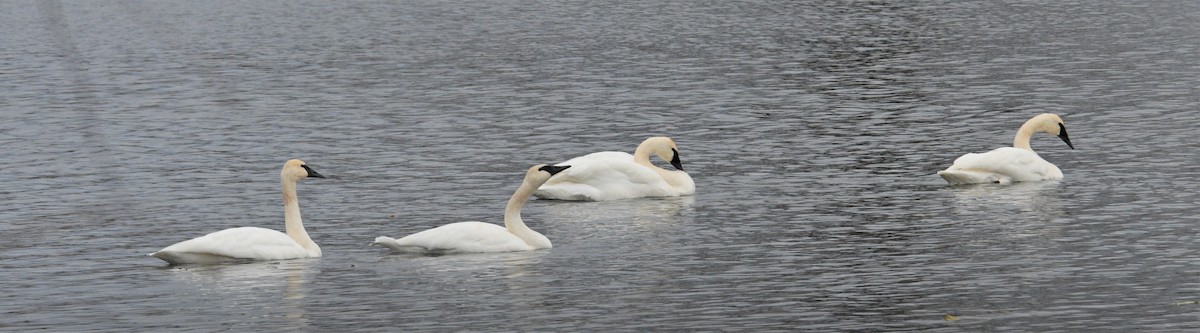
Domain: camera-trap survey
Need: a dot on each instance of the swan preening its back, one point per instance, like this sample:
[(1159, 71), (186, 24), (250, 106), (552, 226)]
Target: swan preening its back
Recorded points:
[(253, 243), (467, 237), (1011, 164), (612, 175)]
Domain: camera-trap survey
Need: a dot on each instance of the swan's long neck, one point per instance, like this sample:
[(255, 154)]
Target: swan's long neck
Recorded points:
[(1024, 134), (291, 217), (642, 156), (512, 214)]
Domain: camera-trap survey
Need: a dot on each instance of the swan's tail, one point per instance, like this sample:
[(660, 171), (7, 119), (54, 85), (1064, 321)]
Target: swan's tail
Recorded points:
[(384, 241), (961, 177), (395, 245), (176, 258), (390, 243)]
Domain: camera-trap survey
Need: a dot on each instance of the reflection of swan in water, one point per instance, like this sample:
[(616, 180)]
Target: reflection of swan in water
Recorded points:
[(625, 219), (293, 300), (661, 210), (520, 277), (472, 264), (1025, 209), (284, 283), (1026, 196), (452, 270)]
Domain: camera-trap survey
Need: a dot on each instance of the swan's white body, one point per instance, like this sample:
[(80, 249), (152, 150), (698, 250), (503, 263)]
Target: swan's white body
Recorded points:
[(461, 237), (1010, 164), (253, 243), (245, 243), (1001, 165), (612, 175), (475, 237)]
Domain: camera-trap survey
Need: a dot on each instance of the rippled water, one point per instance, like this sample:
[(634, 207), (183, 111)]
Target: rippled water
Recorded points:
[(813, 130)]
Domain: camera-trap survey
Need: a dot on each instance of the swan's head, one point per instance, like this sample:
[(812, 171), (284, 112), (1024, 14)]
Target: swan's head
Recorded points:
[(665, 149), (1053, 124), (541, 173), (296, 170)]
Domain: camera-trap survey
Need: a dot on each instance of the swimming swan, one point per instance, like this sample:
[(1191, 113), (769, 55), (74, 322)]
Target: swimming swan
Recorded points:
[(466, 237), (1011, 164), (611, 175), (253, 243)]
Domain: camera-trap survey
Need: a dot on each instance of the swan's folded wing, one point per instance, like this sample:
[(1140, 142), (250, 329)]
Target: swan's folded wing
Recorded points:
[(598, 157), (1006, 164), (603, 176), (463, 237), (243, 243)]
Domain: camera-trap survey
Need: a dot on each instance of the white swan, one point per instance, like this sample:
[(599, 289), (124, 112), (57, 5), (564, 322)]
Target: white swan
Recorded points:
[(467, 237), (1011, 164), (611, 175), (253, 243)]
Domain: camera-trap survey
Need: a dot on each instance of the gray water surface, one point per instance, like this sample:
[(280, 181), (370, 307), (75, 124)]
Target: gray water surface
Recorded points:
[(813, 130)]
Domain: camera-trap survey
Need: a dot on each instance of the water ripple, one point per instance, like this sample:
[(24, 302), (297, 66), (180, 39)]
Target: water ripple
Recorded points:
[(813, 130)]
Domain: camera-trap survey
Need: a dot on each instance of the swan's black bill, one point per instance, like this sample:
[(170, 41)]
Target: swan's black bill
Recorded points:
[(554, 169), (675, 162), (311, 173), (1062, 134)]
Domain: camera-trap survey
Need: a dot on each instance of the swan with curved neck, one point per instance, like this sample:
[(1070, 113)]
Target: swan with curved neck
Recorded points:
[(611, 175), (472, 236), (1011, 164), (253, 243)]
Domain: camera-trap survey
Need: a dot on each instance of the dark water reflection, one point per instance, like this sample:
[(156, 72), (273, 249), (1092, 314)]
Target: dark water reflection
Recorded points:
[(813, 130)]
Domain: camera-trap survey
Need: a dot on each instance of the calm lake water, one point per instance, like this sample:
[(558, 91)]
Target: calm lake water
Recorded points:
[(813, 130)]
